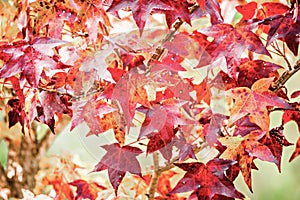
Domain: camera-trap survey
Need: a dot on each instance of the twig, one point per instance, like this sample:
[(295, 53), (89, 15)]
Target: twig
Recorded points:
[(285, 77), (279, 52), (160, 50), (154, 179)]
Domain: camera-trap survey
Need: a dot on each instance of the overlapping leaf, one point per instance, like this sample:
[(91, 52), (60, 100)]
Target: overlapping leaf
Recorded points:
[(206, 181), (245, 150), (254, 102), (119, 160)]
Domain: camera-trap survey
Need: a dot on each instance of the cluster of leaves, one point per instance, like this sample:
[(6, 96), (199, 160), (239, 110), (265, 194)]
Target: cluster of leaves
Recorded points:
[(184, 89)]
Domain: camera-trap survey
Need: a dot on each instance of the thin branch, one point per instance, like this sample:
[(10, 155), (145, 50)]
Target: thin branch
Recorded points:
[(154, 179), (160, 50), (280, 53), (170, 165), (285, 77)]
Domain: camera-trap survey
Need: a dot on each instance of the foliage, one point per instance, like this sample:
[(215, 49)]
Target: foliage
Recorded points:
[(199, 79)]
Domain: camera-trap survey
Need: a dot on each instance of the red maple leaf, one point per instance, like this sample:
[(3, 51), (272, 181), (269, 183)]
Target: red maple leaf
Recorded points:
[(129, 91), (296, 151), (207, 181), (247, 10), (275, 141), (211, 7), (141, 9), (254, 102), (291, 115), (29, 58), (213, 129), (86, 190), (91, 112), (245, 150), (119, 160), (50, 104), (231, 42), (253, 70)]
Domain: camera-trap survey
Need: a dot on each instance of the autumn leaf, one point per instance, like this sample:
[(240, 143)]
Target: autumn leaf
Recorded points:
[(179, 10), (234, 41), (29, 58), (206, 181), (119, 160), (164, 187), (53, 13), (295, 94), (141, 9), (60, 185), (296, 151), (94, 114), (129, 91), (244, 126), (287, 29), (291, 115), (252, 70), (245, 150), (275, 141), (161, 139), (91, 18), (86, 190), (247, 10), (214, 128), (254, 102), (211, 7), (50, 104), (185, 148)]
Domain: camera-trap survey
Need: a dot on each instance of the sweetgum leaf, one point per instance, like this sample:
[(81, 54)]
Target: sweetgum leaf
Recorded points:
[(252, 70), (295, 94), (207, 180), (119, 160), (296, 151), (86, 190), (141, 9), (275, 141), (213, 130), (93, 113), (50, 105), (231, 42), (129, 91), (29, 58), (161, 139), (180, 10), (247, 10), (291, 115), (245, 150), (91, 17), (254, 102), (185, 148), (287, 29), (211, 7)]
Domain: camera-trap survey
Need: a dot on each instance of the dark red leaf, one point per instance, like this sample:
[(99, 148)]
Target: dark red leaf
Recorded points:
[(290, 115), (119, 160), (206, 180), (296, 151), (295, 94)]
